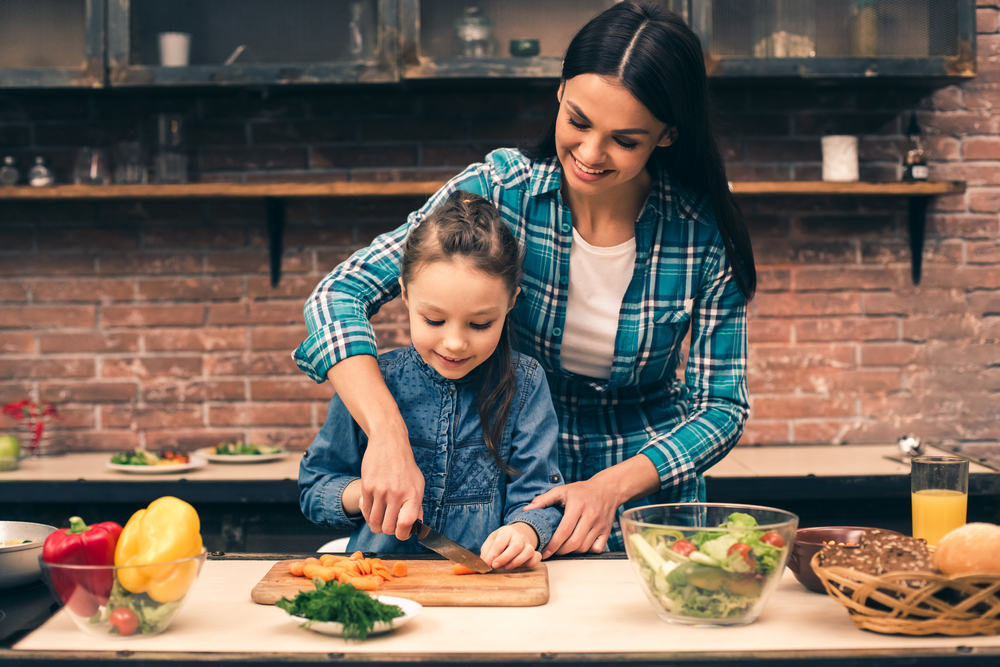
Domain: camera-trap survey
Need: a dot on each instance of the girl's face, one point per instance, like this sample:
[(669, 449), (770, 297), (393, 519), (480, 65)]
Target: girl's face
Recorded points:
[(604, 135), (456, 315)]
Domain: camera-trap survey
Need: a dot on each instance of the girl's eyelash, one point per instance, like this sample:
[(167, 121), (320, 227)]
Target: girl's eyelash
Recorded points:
[(434, 323), (480, 327), (623, 144)]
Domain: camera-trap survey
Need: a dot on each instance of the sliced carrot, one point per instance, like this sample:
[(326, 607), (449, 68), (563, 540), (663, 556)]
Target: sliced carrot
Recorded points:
[(315, 561), (365, 566), (325, 573), (357, 555), (384, 573), (335, 558), (311, 570), (363, 583), (295, 568), (326, 560), (458, 568), (399, 568)]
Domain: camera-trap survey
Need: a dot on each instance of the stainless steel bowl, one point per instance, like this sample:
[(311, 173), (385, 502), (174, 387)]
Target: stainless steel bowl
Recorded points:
[(19, 563)]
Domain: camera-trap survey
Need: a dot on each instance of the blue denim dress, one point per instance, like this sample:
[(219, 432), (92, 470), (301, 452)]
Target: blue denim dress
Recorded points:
[(466, 496)]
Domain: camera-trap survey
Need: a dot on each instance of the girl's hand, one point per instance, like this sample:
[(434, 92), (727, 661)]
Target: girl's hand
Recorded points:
[(588, 514), (513, 546)]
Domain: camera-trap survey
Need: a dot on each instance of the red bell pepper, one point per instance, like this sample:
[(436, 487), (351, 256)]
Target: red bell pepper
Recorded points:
[(84, 590)]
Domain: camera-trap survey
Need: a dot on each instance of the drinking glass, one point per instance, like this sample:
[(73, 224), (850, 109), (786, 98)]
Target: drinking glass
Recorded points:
[(939, 489), (130, 165), (91, 167)]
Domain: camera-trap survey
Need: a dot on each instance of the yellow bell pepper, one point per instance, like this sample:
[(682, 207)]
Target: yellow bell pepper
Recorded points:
[(167, 530)]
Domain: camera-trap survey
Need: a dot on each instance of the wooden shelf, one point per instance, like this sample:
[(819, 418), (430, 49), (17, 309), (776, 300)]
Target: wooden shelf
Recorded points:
[(426, 188), (153, 191), (275, 194), (908, 188)]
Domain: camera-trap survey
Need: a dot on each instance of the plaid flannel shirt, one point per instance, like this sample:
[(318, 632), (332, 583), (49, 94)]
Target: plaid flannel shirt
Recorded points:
[(682, 278)]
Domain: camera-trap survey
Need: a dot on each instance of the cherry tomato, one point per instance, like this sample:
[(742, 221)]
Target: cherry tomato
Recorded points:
[(125, 620), (683, 547), (773, 539), (743, 550)]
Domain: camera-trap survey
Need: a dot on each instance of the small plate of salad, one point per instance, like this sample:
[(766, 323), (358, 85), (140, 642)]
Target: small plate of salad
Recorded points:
[(242, 452), (144, 462), (708, 563)]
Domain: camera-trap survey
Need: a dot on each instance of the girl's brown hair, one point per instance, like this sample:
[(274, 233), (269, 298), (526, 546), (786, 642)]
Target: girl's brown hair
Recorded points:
[(469, 226)]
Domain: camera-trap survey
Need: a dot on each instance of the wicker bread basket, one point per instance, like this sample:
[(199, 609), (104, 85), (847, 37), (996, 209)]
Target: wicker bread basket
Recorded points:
[(959, 605)]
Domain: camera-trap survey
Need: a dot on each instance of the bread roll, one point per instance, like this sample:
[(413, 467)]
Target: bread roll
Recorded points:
[(973, 548)]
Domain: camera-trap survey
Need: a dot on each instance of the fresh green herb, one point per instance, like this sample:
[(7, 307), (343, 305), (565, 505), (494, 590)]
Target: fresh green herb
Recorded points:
[(244, 449), (340, 603)]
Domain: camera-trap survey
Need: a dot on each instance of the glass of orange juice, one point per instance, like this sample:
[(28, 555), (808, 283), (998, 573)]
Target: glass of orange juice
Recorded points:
[(939, 489)]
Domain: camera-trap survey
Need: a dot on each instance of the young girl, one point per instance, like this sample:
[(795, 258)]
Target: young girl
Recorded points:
[(480, 419)]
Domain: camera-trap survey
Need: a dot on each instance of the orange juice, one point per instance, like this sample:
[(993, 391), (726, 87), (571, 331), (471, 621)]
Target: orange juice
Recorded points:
[(937, 512)]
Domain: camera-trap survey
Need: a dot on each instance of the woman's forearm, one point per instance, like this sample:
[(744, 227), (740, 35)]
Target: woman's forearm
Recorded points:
[(631, 479), (359, 383)]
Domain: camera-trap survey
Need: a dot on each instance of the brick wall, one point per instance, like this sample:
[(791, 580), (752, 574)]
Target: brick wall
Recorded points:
[(154, 323)]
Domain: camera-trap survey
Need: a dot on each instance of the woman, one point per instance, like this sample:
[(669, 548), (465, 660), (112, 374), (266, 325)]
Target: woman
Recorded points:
[(631, 236)]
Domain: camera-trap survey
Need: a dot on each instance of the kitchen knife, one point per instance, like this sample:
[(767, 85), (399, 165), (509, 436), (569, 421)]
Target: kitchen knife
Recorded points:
[(441, 545)]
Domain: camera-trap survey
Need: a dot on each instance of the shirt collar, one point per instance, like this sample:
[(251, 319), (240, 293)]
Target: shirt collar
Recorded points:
[(546, 175), (433, 375)]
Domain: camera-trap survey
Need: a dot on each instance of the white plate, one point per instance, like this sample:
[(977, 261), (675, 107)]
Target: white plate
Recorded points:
[(171, 469), (409, 607), (210, 455)]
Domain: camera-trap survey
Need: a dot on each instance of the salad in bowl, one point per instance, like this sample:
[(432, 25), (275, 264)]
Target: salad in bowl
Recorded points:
[(708, 563)]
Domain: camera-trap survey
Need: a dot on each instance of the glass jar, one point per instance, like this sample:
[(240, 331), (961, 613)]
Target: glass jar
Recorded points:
[(9, 175), (473, 34), (40, 176)]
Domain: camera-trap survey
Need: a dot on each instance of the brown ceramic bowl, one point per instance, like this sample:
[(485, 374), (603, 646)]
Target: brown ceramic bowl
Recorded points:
[(810, 540)]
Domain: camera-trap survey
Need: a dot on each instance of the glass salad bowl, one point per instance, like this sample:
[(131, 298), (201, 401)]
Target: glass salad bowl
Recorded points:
[(708, 564), (94, 597)]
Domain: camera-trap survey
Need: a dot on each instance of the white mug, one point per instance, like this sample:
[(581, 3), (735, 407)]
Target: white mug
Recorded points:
[(174, 48), (840, 158)]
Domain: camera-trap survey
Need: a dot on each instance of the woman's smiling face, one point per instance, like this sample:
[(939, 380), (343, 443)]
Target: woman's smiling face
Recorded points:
[(604, 135)]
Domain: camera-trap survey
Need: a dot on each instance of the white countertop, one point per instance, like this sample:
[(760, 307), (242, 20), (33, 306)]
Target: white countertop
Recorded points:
[(743, 461), (595, 607)]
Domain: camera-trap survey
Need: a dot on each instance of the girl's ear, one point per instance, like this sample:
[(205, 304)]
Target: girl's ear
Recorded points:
[(559, 91), (668, 137), (513, 299), (402, 288)]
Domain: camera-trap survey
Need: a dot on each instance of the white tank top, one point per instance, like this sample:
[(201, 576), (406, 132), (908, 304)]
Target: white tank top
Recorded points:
[(598, 278)]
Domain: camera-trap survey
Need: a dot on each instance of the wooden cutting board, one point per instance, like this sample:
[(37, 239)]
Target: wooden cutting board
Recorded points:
[(431, 583)]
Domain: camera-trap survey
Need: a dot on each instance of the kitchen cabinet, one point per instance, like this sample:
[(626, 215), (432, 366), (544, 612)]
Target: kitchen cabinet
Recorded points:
[(439, 39), (253, 42), (52, 43), (837, 39)]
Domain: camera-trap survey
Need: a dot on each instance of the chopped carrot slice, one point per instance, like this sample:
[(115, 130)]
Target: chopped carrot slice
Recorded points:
[(357, 555), (295, 568), (311, 570), (315, 561), (458, 568), (362, 583), (384, 573), (399, 568)]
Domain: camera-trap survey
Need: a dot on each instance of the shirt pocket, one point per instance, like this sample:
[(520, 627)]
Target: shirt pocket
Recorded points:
[(472, 474), (670, 325)]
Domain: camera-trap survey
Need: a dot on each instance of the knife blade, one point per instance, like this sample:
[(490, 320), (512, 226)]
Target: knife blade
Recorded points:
[(441, 545)]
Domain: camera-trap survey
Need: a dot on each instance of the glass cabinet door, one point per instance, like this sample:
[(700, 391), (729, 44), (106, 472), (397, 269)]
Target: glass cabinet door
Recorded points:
[(190, 42), (52, 43), (837, 38), (494, 38)]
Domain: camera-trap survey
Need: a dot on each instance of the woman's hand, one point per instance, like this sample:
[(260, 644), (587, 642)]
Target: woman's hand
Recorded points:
[(511, 546), (392, 486), (589, 507), (588, 514)]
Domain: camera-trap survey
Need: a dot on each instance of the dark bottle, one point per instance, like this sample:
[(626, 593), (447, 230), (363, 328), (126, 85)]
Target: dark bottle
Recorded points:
[(915, 161), (9, 175)]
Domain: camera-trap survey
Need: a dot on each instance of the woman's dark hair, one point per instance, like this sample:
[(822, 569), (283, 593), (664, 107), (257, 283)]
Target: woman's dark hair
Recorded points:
[(658, 59), (469, 226)]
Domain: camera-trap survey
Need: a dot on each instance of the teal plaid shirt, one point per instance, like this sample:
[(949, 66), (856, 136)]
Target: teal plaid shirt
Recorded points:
[(682, 278)]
